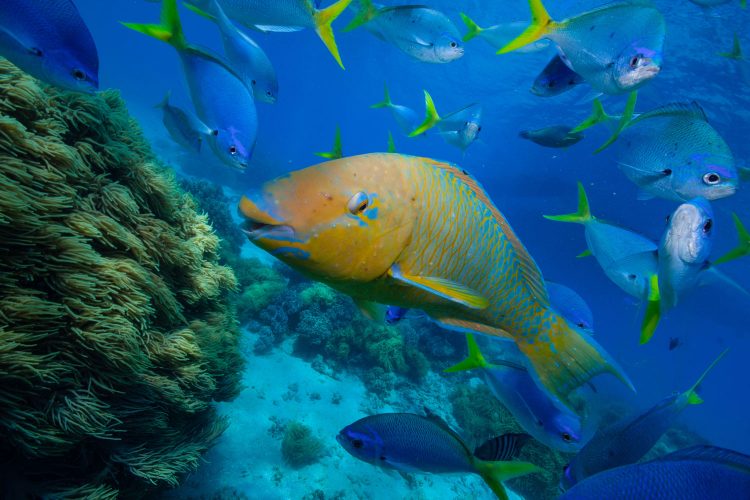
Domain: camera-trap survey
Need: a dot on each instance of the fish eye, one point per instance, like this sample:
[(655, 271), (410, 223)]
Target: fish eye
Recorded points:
[(232, 150), (708, 225), (214, 132), (78, 74), (580, 324), (454, 44), (479, 128), (358, 203), (357, 443), (566, 437), (635, 60), (712, 178), (666, 219), (268, 93)]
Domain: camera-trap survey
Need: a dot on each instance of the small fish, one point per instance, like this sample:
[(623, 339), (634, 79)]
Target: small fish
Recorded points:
[(183, 127), (557, 136), (394, 314), (502, 448), (405, 117), (628, 440), (697, 473), (533, 409), (49, 40), (371, 226), (283, 16), (571, 305), (407, 442), (221, 99), (500, 34), (423, 33), (616, 48), (674, 343), (460, 128), (337, 151), (555, 79), (245, 56)]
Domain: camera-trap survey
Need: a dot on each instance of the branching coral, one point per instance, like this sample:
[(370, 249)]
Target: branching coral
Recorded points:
[(115, 329), (300, 447)]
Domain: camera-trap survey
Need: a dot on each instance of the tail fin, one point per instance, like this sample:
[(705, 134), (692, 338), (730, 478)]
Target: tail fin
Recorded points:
[(736, 52), (431, 116), (199, 11), (337, 151), (367, 12), (743, 246), (564, 358), (473, 360), (386, 102), (168, 30), (391, 144), (582, 215), (164, 102), (541, 25), (323, 19), (692, 396), (473, 27), (627, 116), (494, 473), (653, 310), (598, 115)]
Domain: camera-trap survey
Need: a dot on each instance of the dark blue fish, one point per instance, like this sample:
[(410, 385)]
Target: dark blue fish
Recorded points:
[(555, 79), (628, 440), (570, 305), (697, 473), (556, 136), (394, 314), (408, 442), (503, 448), (49, 40), (183, 127)]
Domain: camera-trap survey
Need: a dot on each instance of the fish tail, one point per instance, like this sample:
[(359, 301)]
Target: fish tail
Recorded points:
[(165, 101), (692, 396), (473, 27), (473, 360), (581, 216), (367, 12), (625, 119), (736, 52), (653, 310), (598, 115), (541, 25), (743, 243), (323, 19), (431, 116), (565, 358), (391, 144), (337, 151), (168, 30), (386, 102), (494, 473), (199, 11)]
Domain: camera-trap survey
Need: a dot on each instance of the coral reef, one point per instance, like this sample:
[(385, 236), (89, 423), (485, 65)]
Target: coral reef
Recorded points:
[(116, 332), (300, 447), (260, 285)]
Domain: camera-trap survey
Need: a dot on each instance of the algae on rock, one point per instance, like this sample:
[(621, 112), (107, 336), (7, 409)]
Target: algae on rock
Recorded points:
[(116, 332)]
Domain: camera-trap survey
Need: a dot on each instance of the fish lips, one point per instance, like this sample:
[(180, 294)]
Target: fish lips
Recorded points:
[(260, 225)]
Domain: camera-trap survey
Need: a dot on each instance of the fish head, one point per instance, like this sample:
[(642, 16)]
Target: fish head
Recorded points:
[(65, 70), (448, 48), (689, 232), (635, 66), (565, 430), (265, 91), (706, 175), (470, 131), (229, 148), (343, 221), (362, 442)]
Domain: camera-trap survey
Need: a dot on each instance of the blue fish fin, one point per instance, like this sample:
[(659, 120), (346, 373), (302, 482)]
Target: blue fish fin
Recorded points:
[(442, 287), (710, 453), (712, 276), (266, 28), (644, 195)]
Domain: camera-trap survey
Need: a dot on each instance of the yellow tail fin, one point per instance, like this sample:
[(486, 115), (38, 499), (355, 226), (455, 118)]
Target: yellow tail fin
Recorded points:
[(170, 28), (743, 243), (653, 310), (473, 360), (431, 116), (580, 216), (494, 473), (323, 19), (337, 151), (541, 25), (692, 396), (472, 27)]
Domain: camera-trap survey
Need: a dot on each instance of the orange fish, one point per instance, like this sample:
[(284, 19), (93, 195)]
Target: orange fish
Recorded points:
[(421, 234)]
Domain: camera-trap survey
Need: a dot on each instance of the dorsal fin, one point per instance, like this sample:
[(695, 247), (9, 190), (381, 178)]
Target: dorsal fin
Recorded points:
[(691, 109), (531, 273), (709, 453), (438, 420)]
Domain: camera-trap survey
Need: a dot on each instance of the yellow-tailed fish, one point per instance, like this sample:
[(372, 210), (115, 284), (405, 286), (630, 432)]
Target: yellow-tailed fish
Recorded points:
[(417, 233)]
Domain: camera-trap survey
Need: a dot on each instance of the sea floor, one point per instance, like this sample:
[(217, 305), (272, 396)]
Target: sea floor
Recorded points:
[(246, 462)]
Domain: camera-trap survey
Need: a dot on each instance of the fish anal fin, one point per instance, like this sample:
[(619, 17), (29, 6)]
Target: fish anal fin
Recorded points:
[(467, 326), (444, 288)]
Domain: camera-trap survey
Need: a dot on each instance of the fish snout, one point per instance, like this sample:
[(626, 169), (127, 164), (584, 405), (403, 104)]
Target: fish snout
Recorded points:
[(260, 224)]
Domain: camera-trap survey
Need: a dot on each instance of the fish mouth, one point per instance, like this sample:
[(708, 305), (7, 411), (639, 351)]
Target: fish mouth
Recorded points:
[(259, 224)]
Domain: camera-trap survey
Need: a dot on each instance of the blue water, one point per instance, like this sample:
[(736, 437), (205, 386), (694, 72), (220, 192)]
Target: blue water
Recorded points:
[(524, 180)]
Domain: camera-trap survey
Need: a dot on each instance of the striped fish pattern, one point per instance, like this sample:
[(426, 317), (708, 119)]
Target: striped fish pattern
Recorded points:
[(430, 239), (502, 448)]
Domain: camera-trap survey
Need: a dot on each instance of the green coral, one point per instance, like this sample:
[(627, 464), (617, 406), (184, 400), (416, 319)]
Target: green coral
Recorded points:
[(300, 447), (317, 294), (116, 331), (260, 285)]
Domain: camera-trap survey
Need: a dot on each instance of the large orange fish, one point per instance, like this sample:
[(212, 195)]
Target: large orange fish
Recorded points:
[(417, 233)]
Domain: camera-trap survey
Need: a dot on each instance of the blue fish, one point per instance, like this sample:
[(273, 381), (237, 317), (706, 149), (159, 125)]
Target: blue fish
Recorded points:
[(405, 117), (183, 127), (571, 306), (628, 440), (394, 314), (697, 473), (532, 407), (412, 443), (221, 99), (556, 78), (49, 40)]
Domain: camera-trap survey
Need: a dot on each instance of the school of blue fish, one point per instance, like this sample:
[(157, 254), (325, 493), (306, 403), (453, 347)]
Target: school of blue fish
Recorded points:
[(474, 276)]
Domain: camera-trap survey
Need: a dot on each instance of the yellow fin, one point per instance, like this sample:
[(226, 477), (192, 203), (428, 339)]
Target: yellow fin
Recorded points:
[(541, 25), (653, 310), (444, 288), (323, 19), (431, 116), (467, 326), (371, 310), (474, 358)]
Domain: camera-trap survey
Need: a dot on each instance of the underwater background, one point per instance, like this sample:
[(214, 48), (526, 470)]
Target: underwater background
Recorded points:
[(312, 364)]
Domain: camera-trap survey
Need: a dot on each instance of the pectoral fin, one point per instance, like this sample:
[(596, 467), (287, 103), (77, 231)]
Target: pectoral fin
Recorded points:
[(444, 288), (371, 310)]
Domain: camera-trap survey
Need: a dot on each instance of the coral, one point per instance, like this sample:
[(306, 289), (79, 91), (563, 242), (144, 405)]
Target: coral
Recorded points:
[(318, 294), (116, 332), (265, 341), (300, 447), (379, 382), (260, 285)]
